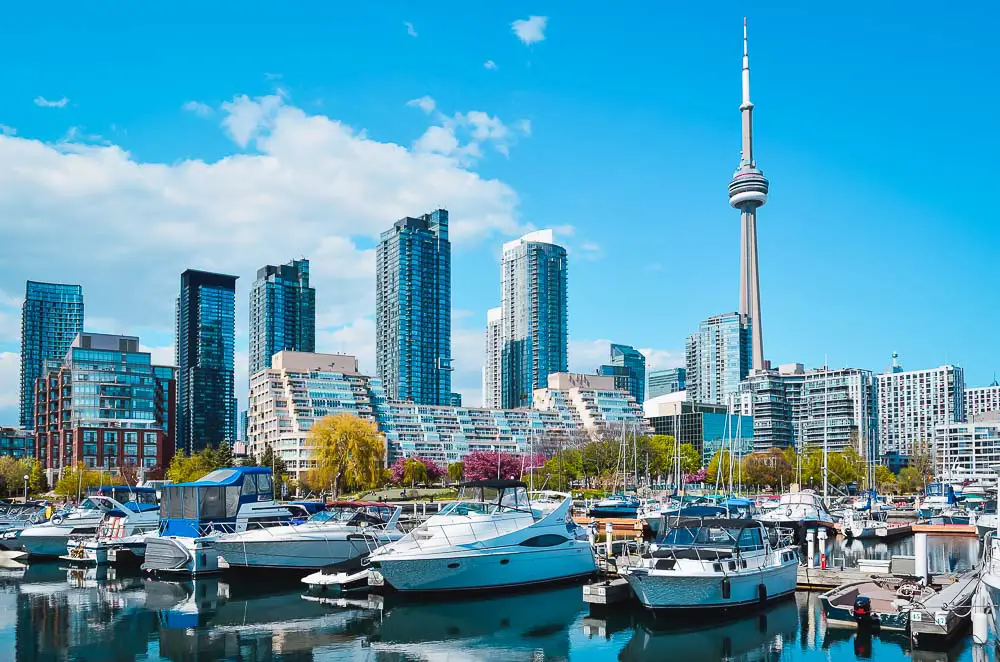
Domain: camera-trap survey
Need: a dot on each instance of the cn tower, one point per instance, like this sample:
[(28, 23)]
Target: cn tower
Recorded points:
[(747, 192)]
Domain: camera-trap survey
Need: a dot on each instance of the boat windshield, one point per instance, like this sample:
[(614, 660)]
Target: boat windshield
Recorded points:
[(799, 498), (95, 504), (487, 500), (712, 535)]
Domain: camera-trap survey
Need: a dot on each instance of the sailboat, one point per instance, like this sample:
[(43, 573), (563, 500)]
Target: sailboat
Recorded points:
[(620, 504)]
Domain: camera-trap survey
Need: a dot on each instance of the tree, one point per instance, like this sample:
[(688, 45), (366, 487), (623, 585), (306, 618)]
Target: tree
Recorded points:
[(885, 480), (482, 465), (600, 458), (690, 458), (224, 454), (456, 471), (37, 482), (77, 478), (349, 452), (268, 458), (561, 469), (910, 479), (718, 470)]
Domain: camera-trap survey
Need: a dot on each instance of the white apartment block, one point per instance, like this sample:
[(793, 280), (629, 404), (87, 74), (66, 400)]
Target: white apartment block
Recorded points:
[(593, 402), (492, 379), (981, 400), (912, 404), (968, 451)]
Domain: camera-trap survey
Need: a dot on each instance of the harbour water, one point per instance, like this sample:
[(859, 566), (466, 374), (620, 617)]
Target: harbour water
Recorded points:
[(49, 612)]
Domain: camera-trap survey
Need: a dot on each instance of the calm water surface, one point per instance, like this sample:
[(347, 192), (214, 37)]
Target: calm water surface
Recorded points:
[(48, 612)]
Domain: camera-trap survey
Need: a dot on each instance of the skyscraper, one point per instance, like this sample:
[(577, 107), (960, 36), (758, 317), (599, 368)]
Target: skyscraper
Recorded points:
[(206, 320), (747, 192), (51, 317), (912, 403), (666, 381), (718, 359), (492, 382), (413, 309), (282, 313), (533, 315), (635, 363)]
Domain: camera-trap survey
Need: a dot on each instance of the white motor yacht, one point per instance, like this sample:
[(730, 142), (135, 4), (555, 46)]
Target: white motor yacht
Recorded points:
[(713, 563), (798, 511), (493, 536), (134, 509), (346, 531)]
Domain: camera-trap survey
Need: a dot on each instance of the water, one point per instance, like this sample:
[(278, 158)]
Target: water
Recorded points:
[(50, 613)]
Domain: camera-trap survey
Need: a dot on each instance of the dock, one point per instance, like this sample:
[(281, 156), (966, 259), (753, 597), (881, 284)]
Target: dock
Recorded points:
[(621, 524), (945, 614), (607, 592), (946, 529), (823, 579)]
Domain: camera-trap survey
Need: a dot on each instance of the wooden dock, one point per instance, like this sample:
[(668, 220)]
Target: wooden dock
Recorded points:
[(945, 614), (946, 529), (816, 579), (620, 524)]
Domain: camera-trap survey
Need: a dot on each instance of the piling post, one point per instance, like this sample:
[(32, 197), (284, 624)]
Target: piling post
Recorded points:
[(920, 554), (811, 548), (821, 541), (608, 536)]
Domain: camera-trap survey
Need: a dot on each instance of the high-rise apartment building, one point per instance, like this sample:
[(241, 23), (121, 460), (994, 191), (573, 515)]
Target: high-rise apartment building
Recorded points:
[(533, 315), (105, 405), (912, 403), (666, 381), (635, 364), (282, 313), (968, 451), (594, 401), (413, 309), (51, 317), (718, 359), (982, 400), (709, 428), (492, 382), (16, 443), (764, 396), (206, 320)]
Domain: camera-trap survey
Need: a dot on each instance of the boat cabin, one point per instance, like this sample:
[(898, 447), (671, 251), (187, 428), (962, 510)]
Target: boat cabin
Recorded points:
[(136, 499), (939, 493), (709, 539), (806, 498), (485, 497), (357, 513)]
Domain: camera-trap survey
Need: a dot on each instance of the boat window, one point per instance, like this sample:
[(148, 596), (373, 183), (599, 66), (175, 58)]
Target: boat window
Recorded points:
[(750, 539), (547, 540), (218, 476), (467, 508), (213, 505), (249, 486), (232, 500), (333, 515), (265, 487), (514, 499)]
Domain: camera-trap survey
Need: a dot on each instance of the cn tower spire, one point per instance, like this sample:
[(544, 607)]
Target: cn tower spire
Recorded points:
[(747, 192)]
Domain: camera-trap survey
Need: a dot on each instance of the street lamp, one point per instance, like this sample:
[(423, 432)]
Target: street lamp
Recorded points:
[(26, 488)]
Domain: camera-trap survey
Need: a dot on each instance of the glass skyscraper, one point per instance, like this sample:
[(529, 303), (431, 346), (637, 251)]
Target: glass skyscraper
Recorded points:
[(634, 363), (666, 381), (51, 317), (282, 313), (206, 312), (533, 315), (413, 309), (718, 359)]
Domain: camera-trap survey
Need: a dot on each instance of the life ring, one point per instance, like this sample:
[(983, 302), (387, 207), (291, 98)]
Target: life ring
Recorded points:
[(56, 519)]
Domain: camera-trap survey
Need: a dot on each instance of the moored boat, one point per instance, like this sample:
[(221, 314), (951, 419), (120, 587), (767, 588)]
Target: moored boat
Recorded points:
[(875, 603), (798, 511)]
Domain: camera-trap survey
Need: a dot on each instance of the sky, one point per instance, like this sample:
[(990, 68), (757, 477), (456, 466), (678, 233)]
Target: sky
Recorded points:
[(138, 141)]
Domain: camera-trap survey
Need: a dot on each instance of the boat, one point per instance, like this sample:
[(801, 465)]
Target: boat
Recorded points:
[(195, 514), (877, 604), (799, 511), (491, 537), (713, 563), (937, 498), (616, 505), (133, 508), (346, 531), (858, 526)]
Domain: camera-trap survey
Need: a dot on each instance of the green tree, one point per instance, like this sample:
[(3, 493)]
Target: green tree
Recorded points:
[(77, 479), (279, 470), (718, 470), (349, 452), (455, 470), (599, 459), (224, 454), (414, 471), (560, 470), (910, 479), (37, 483), (885, 480), (690, 458)]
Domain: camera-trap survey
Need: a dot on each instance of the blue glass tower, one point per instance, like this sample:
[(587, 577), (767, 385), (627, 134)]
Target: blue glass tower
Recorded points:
[(718, 358), (51, 317), (533, 316), (634, 363), (413, 309), (282, 313), (206, 321)]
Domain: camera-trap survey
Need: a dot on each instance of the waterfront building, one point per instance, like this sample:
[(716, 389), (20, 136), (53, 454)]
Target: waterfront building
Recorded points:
[(206, 320), (282, 313), (492, 381), (718, 359), (51, 317), (621, 375), (666, 381), (16, 443), (839, 409), (913, 403), (105, 405), (455, 400), (764, 396), (413, 309), (533, 315), (968, 451), (709, 428), (601, 408), (634, 362), (982, 400)]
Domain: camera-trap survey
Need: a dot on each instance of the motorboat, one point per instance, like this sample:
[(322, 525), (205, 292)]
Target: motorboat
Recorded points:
[(195, 514), (861, 526), (131, 509), (799, 511), (491, 537), (937, 497), (616, 505), (14, 517), (878, 604), (713, 563), (952, 516), (652, 513), (346, 531)]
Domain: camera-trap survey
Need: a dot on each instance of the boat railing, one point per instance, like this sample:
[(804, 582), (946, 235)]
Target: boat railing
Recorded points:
[(450, 534)]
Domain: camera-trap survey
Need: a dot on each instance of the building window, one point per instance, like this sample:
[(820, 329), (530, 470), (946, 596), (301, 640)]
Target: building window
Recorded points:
[(149, 451), (90, 436), (90, 461), (131, 437), (150, 437), (110, 437), (149, 462), (131, 450)]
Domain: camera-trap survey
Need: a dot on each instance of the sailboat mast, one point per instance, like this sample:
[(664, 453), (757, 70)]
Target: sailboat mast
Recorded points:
[(826, 428)]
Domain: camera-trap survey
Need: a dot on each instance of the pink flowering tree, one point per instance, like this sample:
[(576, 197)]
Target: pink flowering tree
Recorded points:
[(482, 465), (697, 477), (415, 469)]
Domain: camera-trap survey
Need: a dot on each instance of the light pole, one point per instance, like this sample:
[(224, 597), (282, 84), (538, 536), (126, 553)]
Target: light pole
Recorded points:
[(26, 488)]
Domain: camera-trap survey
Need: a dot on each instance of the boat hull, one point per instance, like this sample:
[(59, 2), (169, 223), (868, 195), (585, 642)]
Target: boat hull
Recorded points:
[(51, 544), (843, 617), (609, 512), (307, 554), (470, 570), (705, 591), (177, 555)]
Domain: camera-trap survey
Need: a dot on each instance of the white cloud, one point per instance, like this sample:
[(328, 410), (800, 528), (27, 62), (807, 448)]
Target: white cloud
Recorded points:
[(8, 130), (530, 30), (248, 118), (10, 318), (160, 355), (586, 355), (491, 65), (661, 359), (424, 103), (524, 126), (198, 108), (410, 29), (590, 250), (45, 103)]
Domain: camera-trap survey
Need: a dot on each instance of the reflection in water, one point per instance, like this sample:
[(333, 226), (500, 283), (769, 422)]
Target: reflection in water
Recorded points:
[(944, 553), (49, 613)]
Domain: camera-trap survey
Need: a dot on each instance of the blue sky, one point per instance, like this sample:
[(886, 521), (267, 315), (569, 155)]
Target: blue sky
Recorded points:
[(140, 142)]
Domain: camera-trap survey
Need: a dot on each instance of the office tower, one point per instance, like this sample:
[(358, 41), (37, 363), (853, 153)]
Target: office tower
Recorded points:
[(747, 192), (51, 316), (206, 314), (718, 359), (634, 361), (666, 381), (105, 405), (282, 313), (413, 309), (533, 316), (982, 400), (912, 403), (709, 428), (492, 382), (621, 375)]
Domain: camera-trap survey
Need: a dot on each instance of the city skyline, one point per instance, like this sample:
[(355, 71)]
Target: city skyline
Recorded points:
[(854, 312)]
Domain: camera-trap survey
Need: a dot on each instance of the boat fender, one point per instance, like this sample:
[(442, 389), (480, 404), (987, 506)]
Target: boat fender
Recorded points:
[(762, 592), (726, 588)]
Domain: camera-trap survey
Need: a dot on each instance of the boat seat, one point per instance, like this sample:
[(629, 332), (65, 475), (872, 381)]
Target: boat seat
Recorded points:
[(693, 554)]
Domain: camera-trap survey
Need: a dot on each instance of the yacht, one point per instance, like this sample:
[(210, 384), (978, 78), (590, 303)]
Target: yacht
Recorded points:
[(616, 505), (346, 531), (798, 511), (196, 514), (133, 509), (937, 498), (492, 537), (713, 563)]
